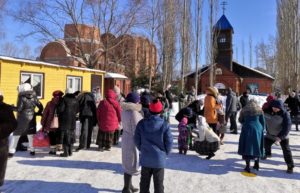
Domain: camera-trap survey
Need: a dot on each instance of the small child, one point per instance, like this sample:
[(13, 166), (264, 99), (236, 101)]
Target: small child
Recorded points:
[(221, 124), (183, 136)]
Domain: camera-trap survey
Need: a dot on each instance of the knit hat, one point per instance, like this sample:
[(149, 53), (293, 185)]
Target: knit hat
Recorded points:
[(133, 97), (270, 98), (184, 121), (277, 104), (156, 106), (145, 99), (57, 93)]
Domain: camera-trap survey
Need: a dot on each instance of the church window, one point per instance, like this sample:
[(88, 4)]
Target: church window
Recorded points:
[(219, 71)]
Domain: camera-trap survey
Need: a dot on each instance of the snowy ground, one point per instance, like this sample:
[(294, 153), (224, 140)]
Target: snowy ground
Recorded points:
[(91, 171)]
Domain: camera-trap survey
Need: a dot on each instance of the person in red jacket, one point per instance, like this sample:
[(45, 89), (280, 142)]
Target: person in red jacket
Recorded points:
[(109, 117)]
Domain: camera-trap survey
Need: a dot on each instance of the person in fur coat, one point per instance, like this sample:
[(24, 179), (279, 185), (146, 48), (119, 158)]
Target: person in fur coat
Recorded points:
[(48, 115), (131, 115), (251, 142), (8, 124)]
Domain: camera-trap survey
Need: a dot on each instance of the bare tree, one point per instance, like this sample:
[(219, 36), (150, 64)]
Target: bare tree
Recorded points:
[(266, 55), (152, 22), (213, 4), (288, 44), (250, 52), (48, 18), (2, 9), (243, 51), (9, 49), (198, 24), (167, 36)]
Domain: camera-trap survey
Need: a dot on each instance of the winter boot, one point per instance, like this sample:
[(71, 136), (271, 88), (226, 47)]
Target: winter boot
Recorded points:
[(133, 189), (210, 156), (256, 165), (127, 182), (290, 170), (70, 150), (66, 151), (52, 150), (247, 168)]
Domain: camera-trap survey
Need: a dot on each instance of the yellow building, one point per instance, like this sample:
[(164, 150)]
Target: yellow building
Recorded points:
[(45, 78)]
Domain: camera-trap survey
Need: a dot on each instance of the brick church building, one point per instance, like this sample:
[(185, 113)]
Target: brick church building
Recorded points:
[(226, 72), (122, 56)]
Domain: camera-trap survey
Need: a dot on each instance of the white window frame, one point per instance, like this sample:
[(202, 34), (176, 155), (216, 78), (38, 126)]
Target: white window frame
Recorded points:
[(73, 78), (32, 74)]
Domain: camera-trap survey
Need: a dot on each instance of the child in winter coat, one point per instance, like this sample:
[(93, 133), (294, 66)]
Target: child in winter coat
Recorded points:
[(153, 138), (221, 124), (183, 137)]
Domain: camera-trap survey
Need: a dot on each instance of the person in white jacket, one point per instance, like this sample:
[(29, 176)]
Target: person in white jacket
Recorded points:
[(207, 142), (131, 115)]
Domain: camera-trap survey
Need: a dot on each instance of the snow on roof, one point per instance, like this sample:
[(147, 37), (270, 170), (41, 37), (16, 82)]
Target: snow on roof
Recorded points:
[(47, 64), (115, 75)]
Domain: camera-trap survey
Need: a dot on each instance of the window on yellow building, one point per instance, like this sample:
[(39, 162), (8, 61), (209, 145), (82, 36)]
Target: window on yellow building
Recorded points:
[(74, 83), (36, 80)]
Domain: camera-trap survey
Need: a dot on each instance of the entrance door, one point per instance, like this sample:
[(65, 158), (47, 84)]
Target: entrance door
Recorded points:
[(96, 82)]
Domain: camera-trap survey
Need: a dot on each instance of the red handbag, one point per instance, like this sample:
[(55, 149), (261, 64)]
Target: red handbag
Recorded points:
[(41, 139)]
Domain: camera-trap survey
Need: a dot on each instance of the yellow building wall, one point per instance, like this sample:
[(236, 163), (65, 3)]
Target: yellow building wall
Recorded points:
[(55, 78)]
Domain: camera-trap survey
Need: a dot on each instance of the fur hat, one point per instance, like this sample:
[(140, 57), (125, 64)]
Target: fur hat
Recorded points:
[(24, 87), (156, 106), (133, 97), (212, 90), (57, 93)]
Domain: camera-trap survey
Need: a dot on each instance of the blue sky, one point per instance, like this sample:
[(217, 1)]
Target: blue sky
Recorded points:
[(255, 18)]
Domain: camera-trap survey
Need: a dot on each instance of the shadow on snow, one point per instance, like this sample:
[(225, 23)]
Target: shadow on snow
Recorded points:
[(88, 165), (36, 186)]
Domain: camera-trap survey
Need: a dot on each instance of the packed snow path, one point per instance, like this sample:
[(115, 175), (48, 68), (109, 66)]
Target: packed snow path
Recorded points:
[(91, 171)]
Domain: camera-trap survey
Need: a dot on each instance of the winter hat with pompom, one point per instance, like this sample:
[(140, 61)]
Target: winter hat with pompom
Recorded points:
[(156, 106)]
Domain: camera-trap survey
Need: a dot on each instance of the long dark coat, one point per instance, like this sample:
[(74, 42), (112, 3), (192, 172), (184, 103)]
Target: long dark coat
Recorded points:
[(27, 101), (48, 114), (87, 107), (67, 110), (251, 143), (8, 124)]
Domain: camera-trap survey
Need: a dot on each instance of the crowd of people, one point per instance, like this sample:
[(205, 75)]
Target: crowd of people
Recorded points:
[(143, 122)]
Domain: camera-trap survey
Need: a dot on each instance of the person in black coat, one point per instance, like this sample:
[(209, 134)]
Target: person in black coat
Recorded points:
[(26, 117), (244, 99), (278, 128), (231, 110), (8, 124), (88, 119), (294, 106), (67, 110)]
